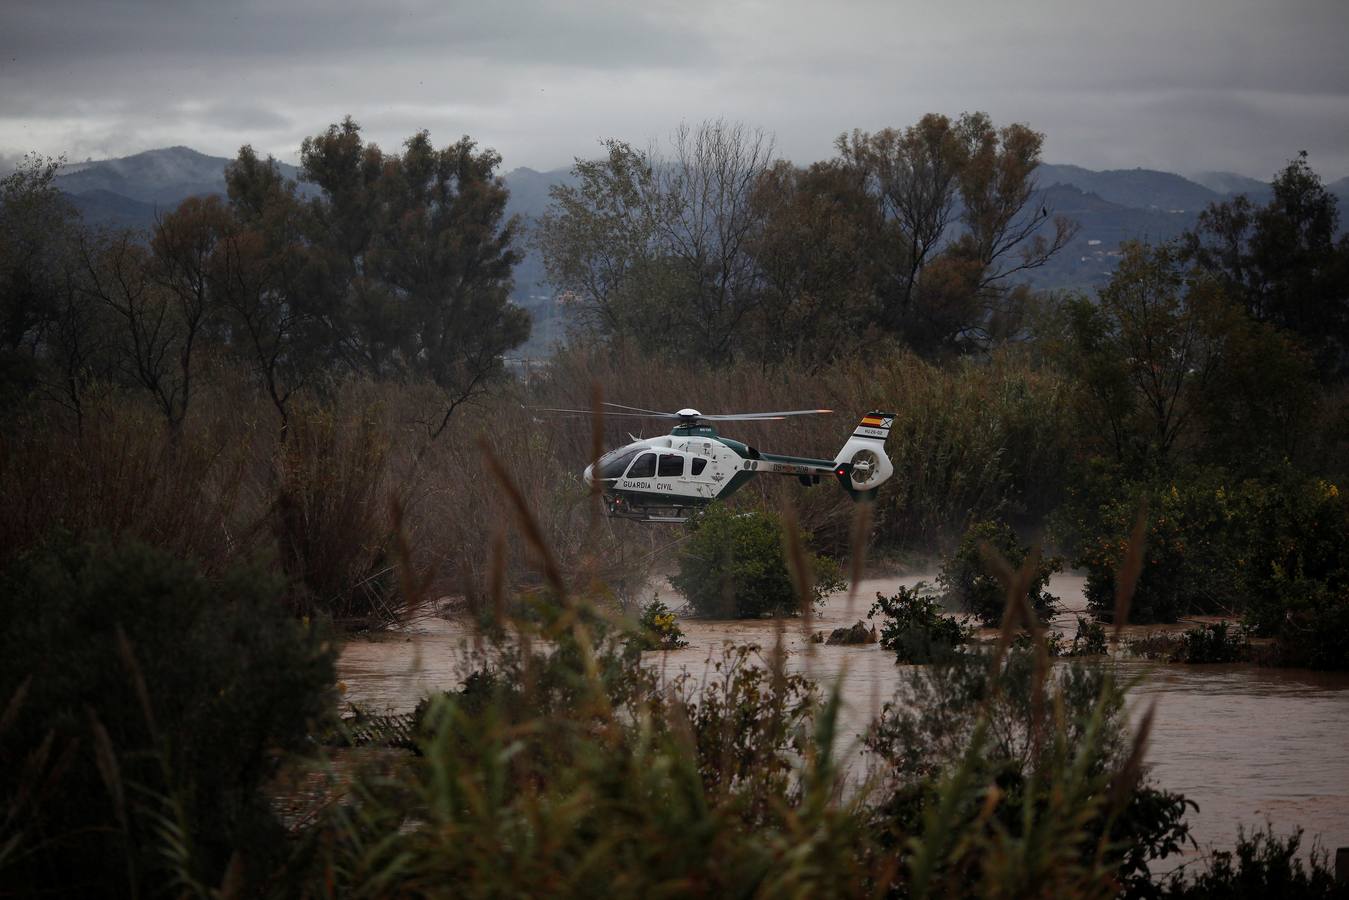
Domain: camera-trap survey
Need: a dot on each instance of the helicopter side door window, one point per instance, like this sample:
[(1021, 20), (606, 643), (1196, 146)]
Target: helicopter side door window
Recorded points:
[(698, 465), (643, 467), (671, 466)]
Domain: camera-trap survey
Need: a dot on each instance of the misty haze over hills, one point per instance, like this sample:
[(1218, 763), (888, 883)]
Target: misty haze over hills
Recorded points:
[(1110, 206)]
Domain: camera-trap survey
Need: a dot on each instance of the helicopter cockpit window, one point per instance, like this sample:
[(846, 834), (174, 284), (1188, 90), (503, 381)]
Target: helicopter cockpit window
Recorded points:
[(644, 467), (613, 463), (671, 466), (698, 466)]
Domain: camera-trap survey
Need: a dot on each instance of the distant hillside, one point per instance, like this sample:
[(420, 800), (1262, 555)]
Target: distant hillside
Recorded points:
[(103, 207), (1087, 262), (529, 189), (127, 192), (1135, 188), (1232, 183), (165, 177)]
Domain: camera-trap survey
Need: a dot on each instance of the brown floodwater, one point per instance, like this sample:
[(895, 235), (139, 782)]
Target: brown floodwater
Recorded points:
[(1248, 744)]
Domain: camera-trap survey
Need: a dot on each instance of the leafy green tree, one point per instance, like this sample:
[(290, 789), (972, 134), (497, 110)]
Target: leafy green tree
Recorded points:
[(1169, 370), (733, 566), (1148, 354), (818, 251), (36, 228), (1283, 261), (599, 241), (420, 253), (42, 339)]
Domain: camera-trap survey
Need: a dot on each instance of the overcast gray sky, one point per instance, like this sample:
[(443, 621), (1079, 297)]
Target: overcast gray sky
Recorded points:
[(1183, 85)]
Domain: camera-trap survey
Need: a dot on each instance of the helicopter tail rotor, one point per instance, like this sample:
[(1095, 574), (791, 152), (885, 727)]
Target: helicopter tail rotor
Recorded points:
[(862, 465)]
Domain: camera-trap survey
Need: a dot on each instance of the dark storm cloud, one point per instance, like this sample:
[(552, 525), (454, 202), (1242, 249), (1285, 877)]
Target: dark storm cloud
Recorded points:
[(607, 34), (1199, 84)]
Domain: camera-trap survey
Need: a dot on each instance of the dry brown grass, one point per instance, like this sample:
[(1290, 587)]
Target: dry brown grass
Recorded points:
[(970, 440)]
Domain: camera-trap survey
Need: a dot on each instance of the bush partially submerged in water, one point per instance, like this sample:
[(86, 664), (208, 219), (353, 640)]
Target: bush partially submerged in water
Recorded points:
[(1089, 640), (733, 566), (657, 629), (1033, 751), (146, 708), (914, 627), (970, 584), (1276, 551), (1261, 865), (1215, 642)]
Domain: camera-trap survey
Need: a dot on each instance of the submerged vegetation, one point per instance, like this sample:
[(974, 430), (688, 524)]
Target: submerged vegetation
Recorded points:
[(969, 581), (282, 417), (1216, 642), (733, 566), (914, 627)]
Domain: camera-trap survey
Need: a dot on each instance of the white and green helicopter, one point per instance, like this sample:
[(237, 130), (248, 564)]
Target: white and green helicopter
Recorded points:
[(668, 478)]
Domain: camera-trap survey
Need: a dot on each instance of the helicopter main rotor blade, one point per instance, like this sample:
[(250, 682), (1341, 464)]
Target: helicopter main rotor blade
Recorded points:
[(767, 416), (640, 409), (591, 412)]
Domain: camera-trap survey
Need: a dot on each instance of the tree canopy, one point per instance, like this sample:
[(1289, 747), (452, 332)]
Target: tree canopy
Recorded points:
[(717, 250)]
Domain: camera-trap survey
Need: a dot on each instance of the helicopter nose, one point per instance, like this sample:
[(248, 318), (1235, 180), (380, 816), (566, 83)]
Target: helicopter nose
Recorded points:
[(589, 475)]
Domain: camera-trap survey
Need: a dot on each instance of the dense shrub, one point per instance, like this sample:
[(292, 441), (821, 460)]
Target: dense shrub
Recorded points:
[(1316, 619), (1276, 550), (149, 708), (545, 755), (733, 566), (1089, 640), (1299, 584), (1196, 549), (1261, 865), (915, 628), (1217, 642), (1009, 734), (969, 583), (658, 629)]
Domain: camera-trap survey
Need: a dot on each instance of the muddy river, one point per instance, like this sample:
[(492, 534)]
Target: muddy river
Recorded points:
[(1248, 744)]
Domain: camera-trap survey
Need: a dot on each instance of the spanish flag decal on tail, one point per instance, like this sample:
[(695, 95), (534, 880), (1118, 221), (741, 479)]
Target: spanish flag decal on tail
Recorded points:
[(875, 425)]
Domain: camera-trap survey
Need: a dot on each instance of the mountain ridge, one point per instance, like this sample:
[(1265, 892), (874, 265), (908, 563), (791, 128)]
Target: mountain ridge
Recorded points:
[(1110, 205)]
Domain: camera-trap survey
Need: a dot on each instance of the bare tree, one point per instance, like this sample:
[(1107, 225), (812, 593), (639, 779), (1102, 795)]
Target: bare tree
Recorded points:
[(707, 189), (117, 270)]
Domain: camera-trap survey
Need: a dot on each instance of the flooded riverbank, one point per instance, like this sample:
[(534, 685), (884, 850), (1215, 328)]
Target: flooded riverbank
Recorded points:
[(1247, 744)]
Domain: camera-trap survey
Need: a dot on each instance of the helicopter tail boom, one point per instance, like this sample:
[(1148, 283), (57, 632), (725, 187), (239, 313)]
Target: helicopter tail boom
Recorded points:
[(862, 465)]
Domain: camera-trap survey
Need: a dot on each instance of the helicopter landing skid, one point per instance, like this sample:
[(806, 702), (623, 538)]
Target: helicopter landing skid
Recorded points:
[(619, 508)]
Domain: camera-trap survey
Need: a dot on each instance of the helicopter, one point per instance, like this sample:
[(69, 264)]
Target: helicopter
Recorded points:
[(669, 478)]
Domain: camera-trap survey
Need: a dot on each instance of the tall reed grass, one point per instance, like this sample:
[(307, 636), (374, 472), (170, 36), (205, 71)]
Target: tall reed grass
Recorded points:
[(970, 441)]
